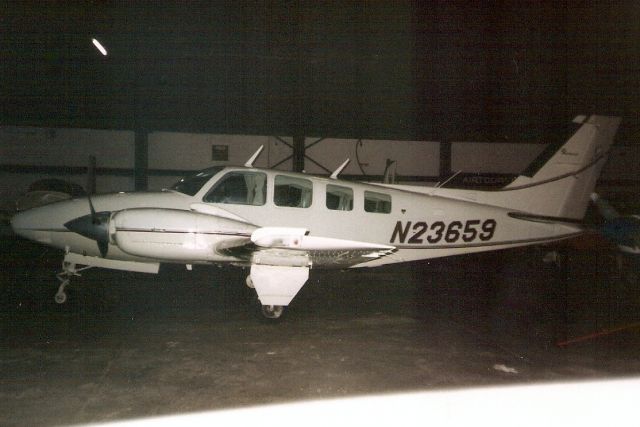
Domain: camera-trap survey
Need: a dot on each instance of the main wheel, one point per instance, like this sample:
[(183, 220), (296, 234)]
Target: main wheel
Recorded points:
[(272, 311)]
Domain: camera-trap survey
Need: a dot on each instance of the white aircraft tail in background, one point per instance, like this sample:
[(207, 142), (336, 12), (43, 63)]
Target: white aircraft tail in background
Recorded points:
[(623, 230)]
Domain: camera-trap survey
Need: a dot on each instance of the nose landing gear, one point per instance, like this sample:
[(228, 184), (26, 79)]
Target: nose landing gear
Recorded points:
[(69, 269)]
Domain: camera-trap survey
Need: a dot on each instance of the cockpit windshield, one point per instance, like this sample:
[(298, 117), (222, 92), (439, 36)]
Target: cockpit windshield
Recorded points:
[(193, 183)]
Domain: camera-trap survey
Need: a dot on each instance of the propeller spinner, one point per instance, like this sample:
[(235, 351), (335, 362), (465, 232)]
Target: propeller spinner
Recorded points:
[(93, 226)]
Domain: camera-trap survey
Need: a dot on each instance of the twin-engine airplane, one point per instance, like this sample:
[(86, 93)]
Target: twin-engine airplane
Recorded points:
[(282, 224)]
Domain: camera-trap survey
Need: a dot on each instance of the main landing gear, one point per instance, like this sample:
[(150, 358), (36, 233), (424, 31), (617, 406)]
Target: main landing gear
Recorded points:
[(268, 311), (69, 269), (272, 311)]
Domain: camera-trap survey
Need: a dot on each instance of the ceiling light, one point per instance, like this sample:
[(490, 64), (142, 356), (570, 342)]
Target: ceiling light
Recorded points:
[(99, 46)]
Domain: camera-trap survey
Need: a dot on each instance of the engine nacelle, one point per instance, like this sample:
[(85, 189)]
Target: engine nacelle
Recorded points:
[(173, 235)]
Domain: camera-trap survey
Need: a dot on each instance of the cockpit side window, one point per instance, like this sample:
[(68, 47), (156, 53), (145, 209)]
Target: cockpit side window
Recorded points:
[(339, 198), (239, 188), (191, 184), (377, 202), (292, 192)]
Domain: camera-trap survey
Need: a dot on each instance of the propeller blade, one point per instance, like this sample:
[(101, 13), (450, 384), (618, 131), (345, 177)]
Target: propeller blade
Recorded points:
[(92, 209), (103, 234), (103, 247)]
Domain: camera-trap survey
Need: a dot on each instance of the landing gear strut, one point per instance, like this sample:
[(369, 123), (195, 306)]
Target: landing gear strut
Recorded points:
[(69, 269)]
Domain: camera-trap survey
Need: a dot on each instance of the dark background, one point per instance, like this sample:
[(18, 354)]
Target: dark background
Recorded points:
[(402, 70)]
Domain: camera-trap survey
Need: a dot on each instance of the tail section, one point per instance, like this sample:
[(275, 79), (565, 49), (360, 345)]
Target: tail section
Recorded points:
[(559, 182)]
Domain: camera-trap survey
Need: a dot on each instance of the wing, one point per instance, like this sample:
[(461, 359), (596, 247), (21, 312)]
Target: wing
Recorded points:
[(293, 247), (280, 259)]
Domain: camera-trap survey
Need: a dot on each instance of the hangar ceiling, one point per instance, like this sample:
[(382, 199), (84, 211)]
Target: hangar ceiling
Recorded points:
[(441, 70)]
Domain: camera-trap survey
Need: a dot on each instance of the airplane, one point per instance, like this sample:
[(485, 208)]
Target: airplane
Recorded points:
[(623, 230), (282, 224)]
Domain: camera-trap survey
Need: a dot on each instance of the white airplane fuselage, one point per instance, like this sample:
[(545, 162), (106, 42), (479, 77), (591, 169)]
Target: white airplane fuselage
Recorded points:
[(418, 225)]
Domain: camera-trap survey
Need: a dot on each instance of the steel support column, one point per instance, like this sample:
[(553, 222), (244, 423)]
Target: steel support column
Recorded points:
[(298, 153), (141, 160), (445, 160), (91, 175)]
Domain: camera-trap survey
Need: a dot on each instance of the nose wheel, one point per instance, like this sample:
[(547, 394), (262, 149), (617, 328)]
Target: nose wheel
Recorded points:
[(61, 297)]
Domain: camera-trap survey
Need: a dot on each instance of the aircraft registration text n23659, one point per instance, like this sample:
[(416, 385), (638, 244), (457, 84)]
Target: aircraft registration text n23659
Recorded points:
[(440, 231)]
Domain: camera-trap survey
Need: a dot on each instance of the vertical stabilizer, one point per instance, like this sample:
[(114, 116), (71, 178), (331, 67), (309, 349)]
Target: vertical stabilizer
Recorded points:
[(559, 182)]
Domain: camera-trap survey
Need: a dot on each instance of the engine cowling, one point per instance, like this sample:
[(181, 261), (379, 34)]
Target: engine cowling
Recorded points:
[(173, 235)]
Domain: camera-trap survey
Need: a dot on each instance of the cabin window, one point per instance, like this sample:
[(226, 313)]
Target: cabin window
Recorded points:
[(239, 188), (292, 191), (377, 202), (339, 198)]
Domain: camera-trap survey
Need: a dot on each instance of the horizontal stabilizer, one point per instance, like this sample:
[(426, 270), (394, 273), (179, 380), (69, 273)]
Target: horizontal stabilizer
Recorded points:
[(543, 218)]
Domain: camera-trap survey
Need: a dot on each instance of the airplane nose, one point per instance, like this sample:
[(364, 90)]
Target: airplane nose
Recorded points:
[(29, 225), (53, 224), (38, 223), (27, 221), (17, 222)]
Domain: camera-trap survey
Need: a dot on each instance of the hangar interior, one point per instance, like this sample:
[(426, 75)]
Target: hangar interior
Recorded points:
[(424, 91)]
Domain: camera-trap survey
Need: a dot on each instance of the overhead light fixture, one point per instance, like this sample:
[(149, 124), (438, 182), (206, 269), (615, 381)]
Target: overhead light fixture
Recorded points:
[(99, 46)]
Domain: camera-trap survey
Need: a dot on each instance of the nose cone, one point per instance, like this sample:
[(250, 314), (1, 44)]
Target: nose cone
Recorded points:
[(94, 227), (19, 223), (38, 223)]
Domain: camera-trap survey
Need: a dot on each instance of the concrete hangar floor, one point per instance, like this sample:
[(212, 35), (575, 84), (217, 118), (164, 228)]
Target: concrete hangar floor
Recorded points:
[(132, 345)]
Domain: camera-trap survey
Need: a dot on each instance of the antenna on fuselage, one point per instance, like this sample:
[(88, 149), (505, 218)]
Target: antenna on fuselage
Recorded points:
[(442, 184), (336, 172), (253, 158)]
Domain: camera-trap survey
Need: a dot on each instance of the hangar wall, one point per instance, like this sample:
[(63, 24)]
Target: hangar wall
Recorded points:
[(492, 157), (28, 154), (171, 154), (414, 158)]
